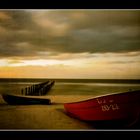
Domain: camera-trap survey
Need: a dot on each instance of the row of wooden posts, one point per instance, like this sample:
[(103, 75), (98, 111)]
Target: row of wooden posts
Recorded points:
[(38, 89)]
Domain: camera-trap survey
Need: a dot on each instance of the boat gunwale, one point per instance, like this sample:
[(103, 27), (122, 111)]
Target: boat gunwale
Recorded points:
[(101, 96), (98, 106), (24, 96), (27, 101)]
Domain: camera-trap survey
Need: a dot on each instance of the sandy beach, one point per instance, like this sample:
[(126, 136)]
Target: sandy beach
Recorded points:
[(46, 117)]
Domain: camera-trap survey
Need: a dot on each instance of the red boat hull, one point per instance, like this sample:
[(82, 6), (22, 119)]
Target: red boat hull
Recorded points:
[(121, 106)]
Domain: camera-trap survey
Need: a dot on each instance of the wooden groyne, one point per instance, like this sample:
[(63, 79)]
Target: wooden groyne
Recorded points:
[(38, 89), (46, 88)]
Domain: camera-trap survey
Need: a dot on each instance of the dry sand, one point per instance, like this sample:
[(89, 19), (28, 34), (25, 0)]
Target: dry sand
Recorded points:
[(41, 117)]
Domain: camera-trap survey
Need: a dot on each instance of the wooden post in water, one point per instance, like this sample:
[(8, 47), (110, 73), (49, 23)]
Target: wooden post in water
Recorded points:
[(42, 90), (36, 88), (26, 90), (39, 92), (22, 91), (31, 90)]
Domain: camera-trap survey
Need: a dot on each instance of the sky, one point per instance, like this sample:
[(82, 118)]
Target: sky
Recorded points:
[(90, 44)]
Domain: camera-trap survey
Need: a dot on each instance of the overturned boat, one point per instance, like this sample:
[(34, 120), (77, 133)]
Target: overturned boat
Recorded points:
[(25, 100)]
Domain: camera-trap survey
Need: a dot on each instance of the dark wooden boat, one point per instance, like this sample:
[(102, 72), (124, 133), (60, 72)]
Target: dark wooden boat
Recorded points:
[(25, 100), (118, 106)]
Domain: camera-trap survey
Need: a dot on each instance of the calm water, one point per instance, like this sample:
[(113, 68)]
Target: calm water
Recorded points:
[(72, 87)]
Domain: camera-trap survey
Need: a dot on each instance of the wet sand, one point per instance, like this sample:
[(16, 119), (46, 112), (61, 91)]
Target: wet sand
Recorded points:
[(42, 117)]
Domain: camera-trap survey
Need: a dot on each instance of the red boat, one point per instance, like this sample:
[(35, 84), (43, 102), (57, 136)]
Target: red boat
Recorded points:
[(118, 106)]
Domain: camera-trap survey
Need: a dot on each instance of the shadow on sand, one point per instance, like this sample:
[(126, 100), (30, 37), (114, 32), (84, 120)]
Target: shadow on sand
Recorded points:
[(118, 124)]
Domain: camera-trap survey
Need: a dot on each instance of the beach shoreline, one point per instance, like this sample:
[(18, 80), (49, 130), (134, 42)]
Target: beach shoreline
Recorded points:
[(41, 117), (51, 117)]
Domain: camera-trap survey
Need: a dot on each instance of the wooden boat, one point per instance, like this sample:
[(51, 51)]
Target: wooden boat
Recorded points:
[(25, 100), (118, 106)]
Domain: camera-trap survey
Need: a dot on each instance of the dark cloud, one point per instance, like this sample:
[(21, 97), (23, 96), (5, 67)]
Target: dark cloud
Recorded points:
[(28, 33), (18, 20)]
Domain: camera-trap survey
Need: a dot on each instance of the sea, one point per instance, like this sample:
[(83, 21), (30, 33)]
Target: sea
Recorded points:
[(72, 86), (10, 115)]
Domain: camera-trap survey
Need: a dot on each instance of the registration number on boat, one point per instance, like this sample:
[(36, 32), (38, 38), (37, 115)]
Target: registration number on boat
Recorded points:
[(110, 107)]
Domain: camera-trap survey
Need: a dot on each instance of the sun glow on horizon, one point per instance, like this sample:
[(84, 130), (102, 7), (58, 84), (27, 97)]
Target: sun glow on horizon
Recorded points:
[(88, 66)]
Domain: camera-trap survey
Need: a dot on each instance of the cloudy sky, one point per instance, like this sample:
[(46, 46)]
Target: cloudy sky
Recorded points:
[(70, 44)]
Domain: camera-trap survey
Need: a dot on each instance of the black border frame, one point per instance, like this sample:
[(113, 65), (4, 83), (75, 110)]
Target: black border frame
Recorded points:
[(68, 4)]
